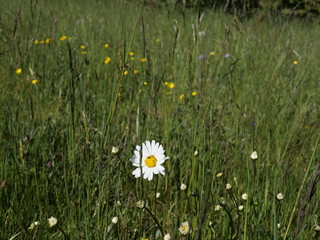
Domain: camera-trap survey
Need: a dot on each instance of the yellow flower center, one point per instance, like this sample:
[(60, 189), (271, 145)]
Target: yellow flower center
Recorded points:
[(151, 161)]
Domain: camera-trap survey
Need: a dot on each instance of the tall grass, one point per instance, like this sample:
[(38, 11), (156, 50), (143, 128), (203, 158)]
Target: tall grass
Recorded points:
[(57, 134)]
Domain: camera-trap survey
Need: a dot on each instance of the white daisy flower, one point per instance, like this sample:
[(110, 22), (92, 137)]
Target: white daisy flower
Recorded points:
[(244, 196), (254, 155), (150, 163), (184, 228), (52, 221), (167, 237), (114, 220), (280, 196), (183, 187)]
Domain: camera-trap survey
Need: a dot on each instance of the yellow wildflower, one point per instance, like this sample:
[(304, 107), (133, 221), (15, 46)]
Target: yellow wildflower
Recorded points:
[(132, 58), (82, 47), (107, 60), (62, 38), (135, 72), (83, 52), (36, 41), (166, 83), (171, 85), (106, 45), (212, 53), (295, 62), (131, 53), (143, 59), (18, 71), (34, 81), (158, 40), (41, 42), (47, 41), (194, 93), (125, 72), (145, 83), (181, 96)]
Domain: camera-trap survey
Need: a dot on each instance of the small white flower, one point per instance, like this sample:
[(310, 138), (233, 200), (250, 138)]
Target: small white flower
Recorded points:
[(280, 196), (114, 150), (279, 225), (217, 207), (317, 228), (219, 174), (33, 225), (183, 187), (240, 208), (114, 220), (184, 228), (244, 196), (228, 186), (196, 153), (52, 221), (150, 163), (140, 204), (158, 195), (210, 224), (167, 237), (118, 203), (254, 155)]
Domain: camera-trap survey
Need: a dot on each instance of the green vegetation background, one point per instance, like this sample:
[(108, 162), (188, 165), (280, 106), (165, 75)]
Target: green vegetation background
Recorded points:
[(57, 134)]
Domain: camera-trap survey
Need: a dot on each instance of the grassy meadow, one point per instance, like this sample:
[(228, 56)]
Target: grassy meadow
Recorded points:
[(83, 82)]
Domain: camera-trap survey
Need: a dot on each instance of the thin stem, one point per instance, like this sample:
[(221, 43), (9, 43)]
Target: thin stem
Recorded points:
[(155, 219)]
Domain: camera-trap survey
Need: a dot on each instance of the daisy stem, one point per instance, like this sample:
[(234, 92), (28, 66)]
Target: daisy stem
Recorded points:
[(155, 197), (155, 219), (63, 232)]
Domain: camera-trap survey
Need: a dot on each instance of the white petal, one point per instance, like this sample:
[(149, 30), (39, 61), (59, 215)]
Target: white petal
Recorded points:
[(161, 169), (153, 145), (149, 148), (150, 176), (137, 172), (161, 158), (146, 173), (161, 149), (136, 164), (155, 170), (145, 152)]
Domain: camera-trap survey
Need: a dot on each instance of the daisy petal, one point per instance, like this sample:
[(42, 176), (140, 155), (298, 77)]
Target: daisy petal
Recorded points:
[(146, 173), (145, 152), (149, 148), (137, 172), (153, 145), (156, 170), (150, 176)]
